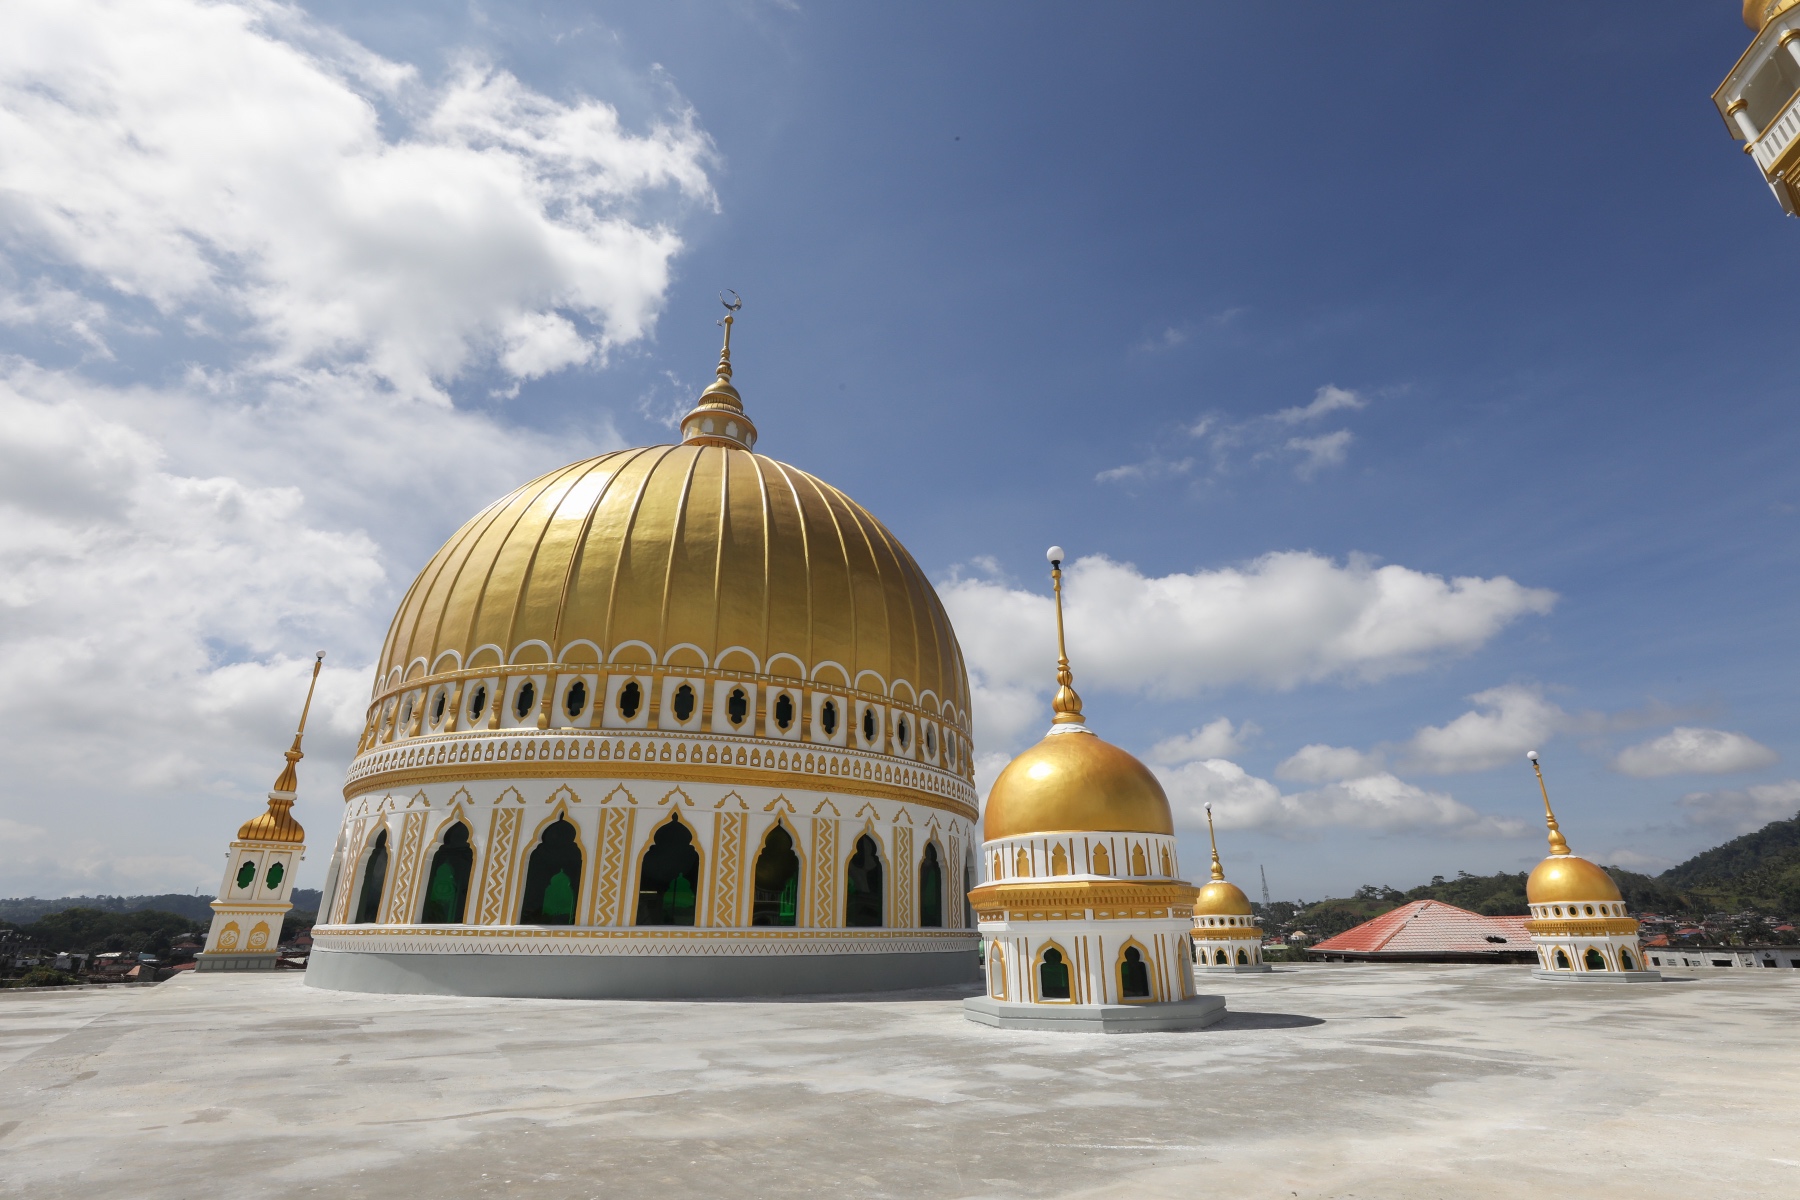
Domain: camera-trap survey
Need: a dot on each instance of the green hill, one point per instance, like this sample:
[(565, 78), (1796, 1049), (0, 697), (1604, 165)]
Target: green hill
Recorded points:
[(1759, 870)]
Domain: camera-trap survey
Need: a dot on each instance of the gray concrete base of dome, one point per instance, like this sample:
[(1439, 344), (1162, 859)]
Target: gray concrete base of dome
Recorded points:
[(212, 960), (646, 977), (1597, 976), (1196, 1012), (1234, 969)]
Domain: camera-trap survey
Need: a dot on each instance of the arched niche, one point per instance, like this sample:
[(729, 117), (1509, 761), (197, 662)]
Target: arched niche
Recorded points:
[(1134, 973), (931, 887), (552, 877), (775, 897), (374, 879), (864, 894), (669, 876), (447, 882)]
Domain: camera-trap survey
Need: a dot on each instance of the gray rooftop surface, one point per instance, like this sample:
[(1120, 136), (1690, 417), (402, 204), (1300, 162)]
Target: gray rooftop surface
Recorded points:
[(1326, 1081)]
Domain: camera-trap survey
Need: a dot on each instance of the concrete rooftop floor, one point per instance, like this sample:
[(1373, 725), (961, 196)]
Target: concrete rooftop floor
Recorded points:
[(1326, 1081)]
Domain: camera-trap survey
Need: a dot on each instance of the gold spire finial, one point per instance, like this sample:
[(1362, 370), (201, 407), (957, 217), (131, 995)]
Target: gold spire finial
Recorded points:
[(1557, 843), (1218, 872), (1067, 704), (718, 416), (288, 781)]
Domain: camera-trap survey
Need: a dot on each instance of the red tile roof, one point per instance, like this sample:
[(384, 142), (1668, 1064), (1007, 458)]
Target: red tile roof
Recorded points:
[(1430, 927)]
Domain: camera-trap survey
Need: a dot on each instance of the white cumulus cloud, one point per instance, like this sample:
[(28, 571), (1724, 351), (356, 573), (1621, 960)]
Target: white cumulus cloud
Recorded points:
[(1215, 739), (1377, 803), (1685, 750), (1505, 723), (1319, 763), (1282, 620), (1742, 811)]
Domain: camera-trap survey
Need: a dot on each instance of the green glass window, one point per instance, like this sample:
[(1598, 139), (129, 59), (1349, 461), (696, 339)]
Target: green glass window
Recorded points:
[(777, 885), (1053, 976), (1593, 960), (246, 875), (447, 886), (863, 890), (552, 878), (273, 879), (931, 889), (1134, 975), (670, 876), (368, 904)]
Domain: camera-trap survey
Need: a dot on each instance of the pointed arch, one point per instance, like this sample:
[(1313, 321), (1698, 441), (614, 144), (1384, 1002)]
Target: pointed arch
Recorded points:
[(995, 964), (552, 874), (669, 875), (1051, 978), (931, 886), (865, 892), (775, 898), (447, 882), (372, 879), (1102, 861), (1132, 970)]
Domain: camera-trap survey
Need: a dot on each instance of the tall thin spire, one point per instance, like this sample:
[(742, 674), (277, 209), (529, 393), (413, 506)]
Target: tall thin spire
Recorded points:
[(717, 418), (1557, 843), (1067, 704), (1218, 872), (288, 781)]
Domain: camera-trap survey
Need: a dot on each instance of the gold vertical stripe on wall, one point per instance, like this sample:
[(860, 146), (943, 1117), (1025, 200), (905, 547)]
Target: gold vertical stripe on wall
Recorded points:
[(825, 873), (904, 870), (728, 855), (353, 847), (503, 836), (615, 843), (959, 885), (406, 868)]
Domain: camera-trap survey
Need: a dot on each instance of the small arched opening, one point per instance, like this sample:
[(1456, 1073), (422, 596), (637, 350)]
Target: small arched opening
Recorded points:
[(931, 889), (1593, 960), (1134, 975), (996, 970), (447, 885), (552, 877), (776, 898), (1219, 959), (1562, 961), (1243, 957), (669, 880), (863, 885), (368, 901), (1627, 961), (1053, 975)]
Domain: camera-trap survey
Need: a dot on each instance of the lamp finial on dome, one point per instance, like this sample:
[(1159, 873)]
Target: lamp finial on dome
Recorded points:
[(718, 416), (1067, 703), (1218, 872), (287, 781), (1558, 845)]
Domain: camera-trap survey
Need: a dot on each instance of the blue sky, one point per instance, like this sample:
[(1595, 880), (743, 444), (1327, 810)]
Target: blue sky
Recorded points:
[(1017, 274)]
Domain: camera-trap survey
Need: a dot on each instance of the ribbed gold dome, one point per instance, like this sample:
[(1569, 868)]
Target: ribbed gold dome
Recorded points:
[(1075, 781), (1565, 878), (1222, 899), (696, 549)]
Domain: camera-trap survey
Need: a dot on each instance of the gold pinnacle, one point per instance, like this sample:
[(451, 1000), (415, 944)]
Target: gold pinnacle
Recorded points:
[(1218, 872), (1558, 845), (1067, 703), (288, 781)]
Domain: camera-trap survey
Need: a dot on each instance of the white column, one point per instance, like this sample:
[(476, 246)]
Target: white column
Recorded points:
[(1742, 117)]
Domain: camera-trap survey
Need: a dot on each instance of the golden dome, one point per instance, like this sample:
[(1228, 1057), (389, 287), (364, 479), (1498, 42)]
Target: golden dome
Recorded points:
[(1075, 781), (1568, 878), (1758, 13), (275, 825), (1222, 899), (692, 553)]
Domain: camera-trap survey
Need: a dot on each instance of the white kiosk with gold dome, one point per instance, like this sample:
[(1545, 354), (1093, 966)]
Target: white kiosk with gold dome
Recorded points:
[(1083, 910), (1578, 920), (674, 721), (1227, 938)]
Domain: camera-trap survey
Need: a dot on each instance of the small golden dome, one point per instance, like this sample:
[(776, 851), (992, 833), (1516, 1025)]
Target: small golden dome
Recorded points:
[(1566, 878), (275, 825), (1075, 781), (1758, 13), (1222, 899)]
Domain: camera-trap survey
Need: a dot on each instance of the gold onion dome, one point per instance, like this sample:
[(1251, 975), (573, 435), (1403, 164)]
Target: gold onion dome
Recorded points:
[(702, 550), (1072, 781), (1565, 877), (1758, 13), (1220, 897), (278, 824)]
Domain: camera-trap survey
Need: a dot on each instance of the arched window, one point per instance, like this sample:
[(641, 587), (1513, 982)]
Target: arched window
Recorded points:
[(273, 879), (1627, 961), (1219, 959), (670, 878), (526, 698), (447, 892), (683, 703), (1593, 961), (995, 963), (1134, 975), (246, 874), (931, 889), (777, 881), (1562, 960), (575, 699), (368, 903), (1102, 861), (552, 878), (1053, 976), (862, 890), (477, 701), (784, 712), (1243, 957), (737, 706), (631, 698), (1059, 861)]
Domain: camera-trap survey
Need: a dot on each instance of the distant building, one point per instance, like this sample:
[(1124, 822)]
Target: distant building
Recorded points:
[(1722, 956), (1430, 931)]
